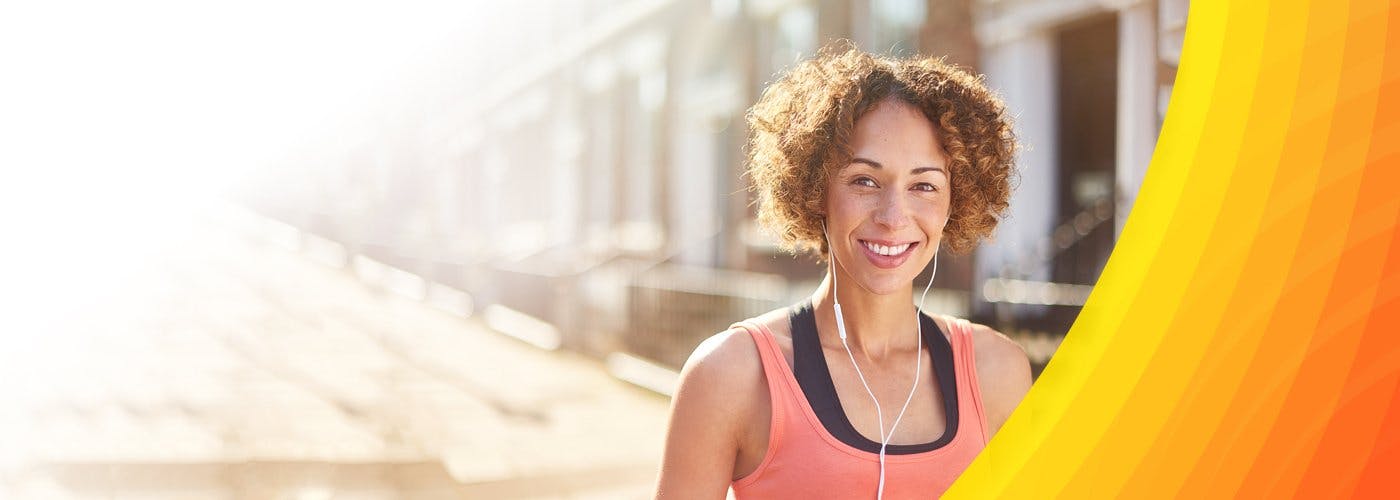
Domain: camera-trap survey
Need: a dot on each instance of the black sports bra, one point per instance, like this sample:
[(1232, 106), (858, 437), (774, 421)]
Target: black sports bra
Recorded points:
[(809, 367)]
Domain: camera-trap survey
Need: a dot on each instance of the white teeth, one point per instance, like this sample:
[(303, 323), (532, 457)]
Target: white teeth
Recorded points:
[(887, 250)]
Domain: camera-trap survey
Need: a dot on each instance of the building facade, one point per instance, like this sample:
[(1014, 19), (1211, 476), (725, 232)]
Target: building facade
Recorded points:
[(589, 172)]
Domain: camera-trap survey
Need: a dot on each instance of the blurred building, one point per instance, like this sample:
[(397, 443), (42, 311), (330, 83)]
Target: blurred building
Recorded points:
[(586, 170)]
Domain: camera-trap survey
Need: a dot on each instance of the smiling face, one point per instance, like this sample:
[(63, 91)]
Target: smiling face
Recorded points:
[(886, 209)]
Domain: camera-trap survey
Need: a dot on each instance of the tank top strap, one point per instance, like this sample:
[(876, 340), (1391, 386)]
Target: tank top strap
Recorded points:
[(966, 365), (780, 395)]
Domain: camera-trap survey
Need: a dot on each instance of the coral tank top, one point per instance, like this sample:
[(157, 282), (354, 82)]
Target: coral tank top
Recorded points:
[(804, 460)]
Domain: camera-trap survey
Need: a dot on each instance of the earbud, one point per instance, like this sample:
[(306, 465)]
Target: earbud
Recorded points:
[(840, 322), (831, 255)]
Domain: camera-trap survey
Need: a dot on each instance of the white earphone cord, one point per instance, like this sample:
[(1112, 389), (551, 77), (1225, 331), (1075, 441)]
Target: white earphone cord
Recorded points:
[(918, 356)]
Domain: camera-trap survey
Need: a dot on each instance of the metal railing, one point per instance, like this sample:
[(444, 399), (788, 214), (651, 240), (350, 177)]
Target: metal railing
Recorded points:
[(672, 308)]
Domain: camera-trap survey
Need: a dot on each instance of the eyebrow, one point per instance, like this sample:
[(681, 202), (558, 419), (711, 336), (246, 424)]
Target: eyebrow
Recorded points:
[(877, 164)]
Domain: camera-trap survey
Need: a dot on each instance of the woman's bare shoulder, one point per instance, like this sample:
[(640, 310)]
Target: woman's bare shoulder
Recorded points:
[(727, 356), (1003, 373), (731, 356), (726, 367), (995, 347), (709, 411)]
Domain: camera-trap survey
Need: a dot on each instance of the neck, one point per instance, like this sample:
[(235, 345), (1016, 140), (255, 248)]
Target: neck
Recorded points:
[(878, 327)]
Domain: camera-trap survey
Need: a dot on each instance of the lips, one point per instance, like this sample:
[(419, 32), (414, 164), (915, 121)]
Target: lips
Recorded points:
[(898, 252)]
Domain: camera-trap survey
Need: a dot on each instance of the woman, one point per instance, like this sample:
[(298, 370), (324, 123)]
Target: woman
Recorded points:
[(873, 164)]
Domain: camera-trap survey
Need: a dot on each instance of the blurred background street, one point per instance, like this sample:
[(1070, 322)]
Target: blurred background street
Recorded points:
[(241, 368)]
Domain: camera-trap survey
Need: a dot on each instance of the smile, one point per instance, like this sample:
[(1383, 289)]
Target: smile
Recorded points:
[(886, 250), (887, 256)]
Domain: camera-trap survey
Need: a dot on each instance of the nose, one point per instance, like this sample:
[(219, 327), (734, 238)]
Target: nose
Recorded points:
[(893, 212)]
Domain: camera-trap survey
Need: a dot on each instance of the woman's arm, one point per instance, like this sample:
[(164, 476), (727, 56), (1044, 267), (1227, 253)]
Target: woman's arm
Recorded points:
[(711, 403)]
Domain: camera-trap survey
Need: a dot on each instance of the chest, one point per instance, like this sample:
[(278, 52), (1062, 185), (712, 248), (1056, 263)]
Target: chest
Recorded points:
[(873, 397), (923, 421)]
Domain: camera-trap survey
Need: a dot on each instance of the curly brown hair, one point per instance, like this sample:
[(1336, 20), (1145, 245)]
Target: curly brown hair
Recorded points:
[(801, 131)]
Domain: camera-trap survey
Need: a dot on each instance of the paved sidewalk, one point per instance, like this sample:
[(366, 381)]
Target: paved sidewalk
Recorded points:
[(236, 369)]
